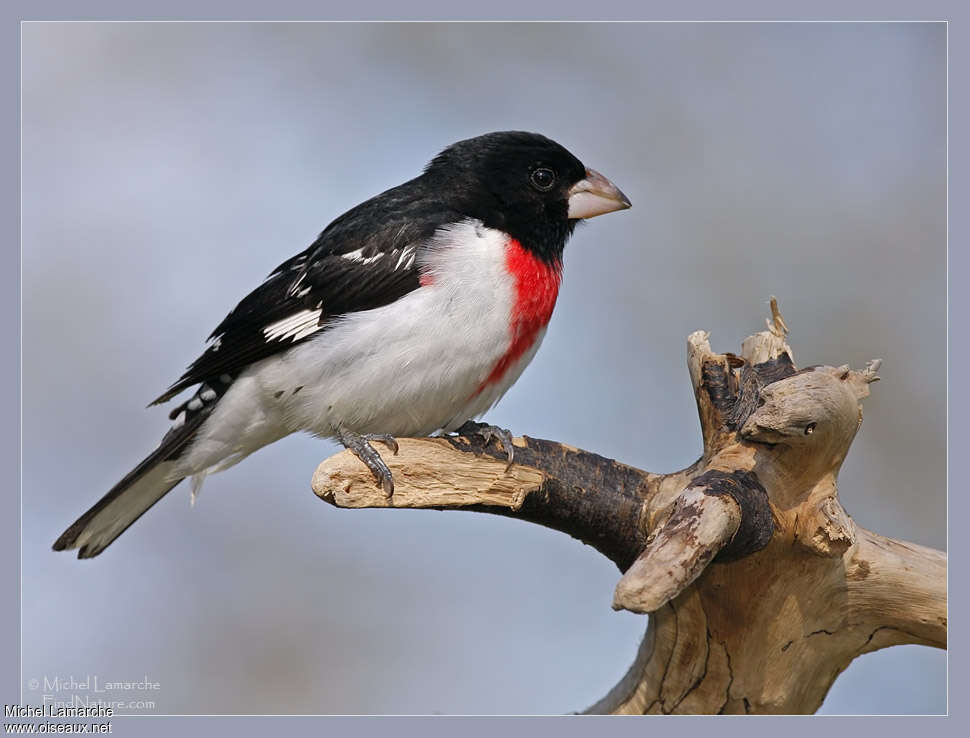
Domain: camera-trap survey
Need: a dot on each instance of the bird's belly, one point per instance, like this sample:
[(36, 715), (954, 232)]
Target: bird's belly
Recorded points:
[(386, 371), (436, 357)]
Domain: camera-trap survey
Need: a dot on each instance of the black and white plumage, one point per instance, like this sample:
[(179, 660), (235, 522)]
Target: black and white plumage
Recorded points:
[(411, 313)]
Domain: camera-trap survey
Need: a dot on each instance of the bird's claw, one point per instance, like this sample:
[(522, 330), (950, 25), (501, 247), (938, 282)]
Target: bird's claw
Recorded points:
[(488, 432), (385, 438), (360, 446)]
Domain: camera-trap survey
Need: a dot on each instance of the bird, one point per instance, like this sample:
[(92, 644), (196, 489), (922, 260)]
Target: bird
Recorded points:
[(410, 314)]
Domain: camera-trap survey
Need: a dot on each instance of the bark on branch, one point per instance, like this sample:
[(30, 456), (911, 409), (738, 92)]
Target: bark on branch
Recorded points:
[(760, 587)]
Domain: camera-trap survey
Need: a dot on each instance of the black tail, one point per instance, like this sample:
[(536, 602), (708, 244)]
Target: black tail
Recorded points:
[(130, 498), (127, 501)]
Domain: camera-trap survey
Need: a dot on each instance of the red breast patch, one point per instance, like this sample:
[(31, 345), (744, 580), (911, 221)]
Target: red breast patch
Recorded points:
[(536, 290)]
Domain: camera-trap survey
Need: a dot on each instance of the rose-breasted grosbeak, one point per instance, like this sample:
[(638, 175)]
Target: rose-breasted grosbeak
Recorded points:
[(411, 313)]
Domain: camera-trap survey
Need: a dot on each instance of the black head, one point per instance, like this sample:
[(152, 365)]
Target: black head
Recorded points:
[(520, 183)]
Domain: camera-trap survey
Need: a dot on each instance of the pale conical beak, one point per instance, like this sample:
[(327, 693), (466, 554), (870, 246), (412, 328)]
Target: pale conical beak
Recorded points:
[(595, 195)]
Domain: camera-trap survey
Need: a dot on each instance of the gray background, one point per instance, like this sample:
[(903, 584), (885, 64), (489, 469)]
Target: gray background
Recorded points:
[(168, 167)]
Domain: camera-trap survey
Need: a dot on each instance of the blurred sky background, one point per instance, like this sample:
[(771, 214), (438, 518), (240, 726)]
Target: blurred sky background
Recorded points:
[(168, 167)]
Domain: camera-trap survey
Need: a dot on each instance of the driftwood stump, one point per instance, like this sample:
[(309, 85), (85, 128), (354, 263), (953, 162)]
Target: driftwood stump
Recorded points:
[(760, 587)]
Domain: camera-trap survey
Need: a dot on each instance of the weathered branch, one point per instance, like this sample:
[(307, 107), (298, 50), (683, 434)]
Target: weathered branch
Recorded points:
[(699, 527), (760, 588), (594, 499), (899, 587)]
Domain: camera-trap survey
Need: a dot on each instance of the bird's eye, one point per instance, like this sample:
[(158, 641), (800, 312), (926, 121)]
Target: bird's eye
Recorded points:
[(543, 179)]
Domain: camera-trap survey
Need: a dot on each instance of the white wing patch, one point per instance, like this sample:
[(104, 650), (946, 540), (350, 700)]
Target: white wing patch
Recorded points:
[(357, 256), (296, 326), (304, 323), (405, 257)]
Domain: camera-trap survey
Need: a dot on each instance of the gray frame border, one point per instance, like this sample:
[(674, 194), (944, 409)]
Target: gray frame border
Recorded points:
[(563, 727)]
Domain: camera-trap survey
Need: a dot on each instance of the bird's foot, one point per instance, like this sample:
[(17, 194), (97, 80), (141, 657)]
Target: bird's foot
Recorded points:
[(488, 432), (360, 446)]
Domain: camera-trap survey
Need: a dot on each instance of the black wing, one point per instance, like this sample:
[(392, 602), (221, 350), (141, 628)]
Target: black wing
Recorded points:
[(365, 259)]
